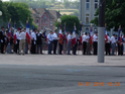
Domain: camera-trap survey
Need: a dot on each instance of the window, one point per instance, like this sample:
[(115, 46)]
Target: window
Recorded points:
[(87, 14), (87, 6), (96, 0), (87, 0), (87, 20), (96, 5)]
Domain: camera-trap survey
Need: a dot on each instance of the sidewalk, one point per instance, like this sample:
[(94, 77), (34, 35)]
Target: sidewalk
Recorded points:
[(60, 60)]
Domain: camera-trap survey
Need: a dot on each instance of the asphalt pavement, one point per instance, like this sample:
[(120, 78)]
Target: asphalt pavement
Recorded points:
[(55, 74)]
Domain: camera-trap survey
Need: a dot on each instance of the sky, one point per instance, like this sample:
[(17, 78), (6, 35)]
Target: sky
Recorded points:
[(58, 0)]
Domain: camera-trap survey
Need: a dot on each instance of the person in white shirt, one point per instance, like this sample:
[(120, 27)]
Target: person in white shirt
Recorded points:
[(60, 41), (55, 41), (107, 44), (84, 41), (120, 45), (95, 43), (50, 41), (33, 41), (113, 44), (88, 50), (22, 42), (74, 43), (16, 40), (69, 38)]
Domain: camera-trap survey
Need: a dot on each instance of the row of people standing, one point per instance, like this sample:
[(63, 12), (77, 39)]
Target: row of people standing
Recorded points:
[(22, 41), (65, 42), (113, 45), (29, 41)]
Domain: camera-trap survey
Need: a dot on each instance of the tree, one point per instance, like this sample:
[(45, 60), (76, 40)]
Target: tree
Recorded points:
[(68, 22), (18, 12), (114, 14), (5, 14)]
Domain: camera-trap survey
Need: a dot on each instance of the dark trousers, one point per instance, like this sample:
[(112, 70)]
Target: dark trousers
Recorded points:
[(84, 47), (74, 49), (54, 46), (50, 48), (95, 44), (107, 48), (120, 49), (60, 48), (16, 47), (26, 48), (68, 47), (2, 48), (33, 47), (39, 48)]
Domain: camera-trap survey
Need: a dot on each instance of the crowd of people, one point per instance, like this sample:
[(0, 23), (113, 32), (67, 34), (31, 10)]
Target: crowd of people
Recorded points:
[(20, 41)]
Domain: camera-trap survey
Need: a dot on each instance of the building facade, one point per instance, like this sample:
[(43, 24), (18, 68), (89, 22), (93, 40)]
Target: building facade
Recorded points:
[(45, 19), (87, 11)]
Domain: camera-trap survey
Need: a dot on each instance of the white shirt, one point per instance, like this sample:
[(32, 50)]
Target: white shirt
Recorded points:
[(85, 38), (69, 37), (33, 35), (50, 37), (113, 40), (55, 37), (22, 35), (18, 35), (95, 38)]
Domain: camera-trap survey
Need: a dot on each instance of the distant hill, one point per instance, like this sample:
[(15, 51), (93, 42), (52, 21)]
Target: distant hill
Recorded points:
[(68, 7)]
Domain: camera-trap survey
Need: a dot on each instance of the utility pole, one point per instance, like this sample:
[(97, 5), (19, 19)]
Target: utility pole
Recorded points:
[(101, 32)]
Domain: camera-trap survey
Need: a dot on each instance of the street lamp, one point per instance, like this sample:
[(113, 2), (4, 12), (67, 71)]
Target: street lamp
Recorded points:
[(0, 13), (59, 21)]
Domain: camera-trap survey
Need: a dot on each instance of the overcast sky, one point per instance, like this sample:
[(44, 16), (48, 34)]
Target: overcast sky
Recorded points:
[(58, 0)]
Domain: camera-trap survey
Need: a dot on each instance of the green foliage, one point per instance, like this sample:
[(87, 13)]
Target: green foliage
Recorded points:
[(19, 13), (114, 14), (69, 21), (5, 14)]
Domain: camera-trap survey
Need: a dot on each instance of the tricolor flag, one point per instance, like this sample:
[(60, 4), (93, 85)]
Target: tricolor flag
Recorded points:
[(28, 32), (14, 26), (9, 24), (27, 27), (64, 27), (106, 29), (91, 31), (119, 31), (75, 27)]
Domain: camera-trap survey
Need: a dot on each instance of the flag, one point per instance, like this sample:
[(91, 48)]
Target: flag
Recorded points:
[(28, 32), (27, 27), (75, 27), (64, 26), (9, 24), (91, 31), (14, 26), (106, 32), (119, 32), (21, 24)]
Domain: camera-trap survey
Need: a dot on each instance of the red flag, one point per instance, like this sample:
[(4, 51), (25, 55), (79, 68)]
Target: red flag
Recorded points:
[(28, 37)]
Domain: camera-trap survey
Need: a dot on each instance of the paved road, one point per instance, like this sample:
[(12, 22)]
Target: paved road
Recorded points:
[(68, 60), (31, 79), (55, 74)]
